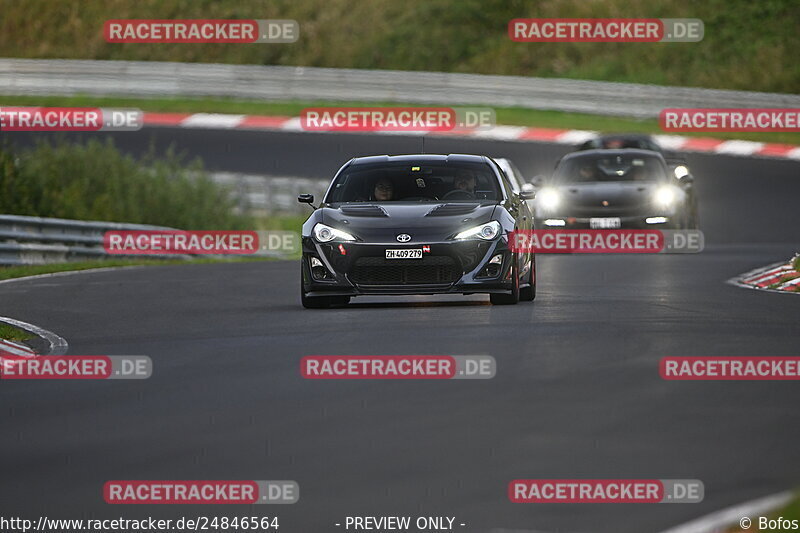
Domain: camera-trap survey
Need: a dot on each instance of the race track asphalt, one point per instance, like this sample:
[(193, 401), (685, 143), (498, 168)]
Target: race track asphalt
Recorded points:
[(577, 392)]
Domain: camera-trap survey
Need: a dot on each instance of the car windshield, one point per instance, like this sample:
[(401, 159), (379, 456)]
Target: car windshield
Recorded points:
[(416, 182), (610, 168)]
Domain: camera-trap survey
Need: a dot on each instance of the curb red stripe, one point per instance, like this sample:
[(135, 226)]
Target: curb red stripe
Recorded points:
[(258, 122), (776, 150), (701, 144), (270, 123), (13, 348), (165, 119), (542, 134), (770, 275)]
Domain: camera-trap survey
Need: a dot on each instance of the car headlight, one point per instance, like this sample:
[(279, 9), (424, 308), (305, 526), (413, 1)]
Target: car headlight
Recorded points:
[(487, 231), (681, 171), (665, 196), (323, 233), (549, 199)]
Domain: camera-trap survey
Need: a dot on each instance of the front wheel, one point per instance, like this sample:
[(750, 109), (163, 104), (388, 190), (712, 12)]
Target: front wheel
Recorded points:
[(513, 297), (528, 294), (320, 302), (314, 302)]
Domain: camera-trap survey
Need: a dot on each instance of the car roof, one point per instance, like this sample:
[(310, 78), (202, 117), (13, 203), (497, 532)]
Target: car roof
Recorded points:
[(420, 158), (611, 153), (614, 136)]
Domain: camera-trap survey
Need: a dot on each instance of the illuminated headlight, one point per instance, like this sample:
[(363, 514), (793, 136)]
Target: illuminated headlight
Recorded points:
[(555, 222), (549, 199), (681, 171), (666, 196), (323, 233), (487, 231)]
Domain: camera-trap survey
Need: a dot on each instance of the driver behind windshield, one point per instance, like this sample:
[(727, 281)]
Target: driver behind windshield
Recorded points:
[(383, 190)]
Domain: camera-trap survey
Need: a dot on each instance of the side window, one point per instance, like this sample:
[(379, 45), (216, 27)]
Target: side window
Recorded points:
[(518, 177), (509, 189)]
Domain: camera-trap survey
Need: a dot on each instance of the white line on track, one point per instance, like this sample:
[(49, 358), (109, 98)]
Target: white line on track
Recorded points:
[(739, 147), (212, 120), (58, 346), (714, 522)]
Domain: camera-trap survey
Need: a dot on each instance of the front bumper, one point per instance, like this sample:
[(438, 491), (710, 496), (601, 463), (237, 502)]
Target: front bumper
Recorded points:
[(626, 222), (452, 267)]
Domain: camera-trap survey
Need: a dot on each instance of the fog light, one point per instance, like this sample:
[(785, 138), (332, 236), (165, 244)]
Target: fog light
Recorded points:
[(554, 222), (318, 270), (656, 220), (494, 266)]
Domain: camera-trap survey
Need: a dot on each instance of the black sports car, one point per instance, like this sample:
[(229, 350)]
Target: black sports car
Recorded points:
[(609, 189), (676, 161), (416, 224)]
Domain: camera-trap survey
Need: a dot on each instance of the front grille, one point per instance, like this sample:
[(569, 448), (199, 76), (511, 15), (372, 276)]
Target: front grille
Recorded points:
[(380, 271), (600, 211)]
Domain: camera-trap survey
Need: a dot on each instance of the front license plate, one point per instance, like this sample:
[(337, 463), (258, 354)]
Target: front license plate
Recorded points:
[(604, 223), (409, 253)]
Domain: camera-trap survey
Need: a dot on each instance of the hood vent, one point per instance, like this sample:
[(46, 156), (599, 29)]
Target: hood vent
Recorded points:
[(444, 210), (363, 211)]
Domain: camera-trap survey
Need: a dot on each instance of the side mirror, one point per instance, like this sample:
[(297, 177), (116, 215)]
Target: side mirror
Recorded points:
[(686, 179), (306, 199), (527, 192), (537, 181)]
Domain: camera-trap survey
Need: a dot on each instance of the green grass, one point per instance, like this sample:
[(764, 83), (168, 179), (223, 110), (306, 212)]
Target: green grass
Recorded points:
[(511, 116), (747, 45), (10, 333), (796, 262), (22, 271), (94, 180), (282, 222)]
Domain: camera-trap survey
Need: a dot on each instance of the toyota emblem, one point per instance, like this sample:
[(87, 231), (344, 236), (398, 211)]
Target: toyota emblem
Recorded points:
[(403, 237)]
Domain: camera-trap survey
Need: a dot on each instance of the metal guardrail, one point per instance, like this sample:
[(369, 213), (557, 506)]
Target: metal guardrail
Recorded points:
[(146, 78), (261, 195), (34, 240), (28, 240)]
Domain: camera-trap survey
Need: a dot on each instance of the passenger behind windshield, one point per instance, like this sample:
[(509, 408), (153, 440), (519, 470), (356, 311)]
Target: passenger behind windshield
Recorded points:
[(407, 182)]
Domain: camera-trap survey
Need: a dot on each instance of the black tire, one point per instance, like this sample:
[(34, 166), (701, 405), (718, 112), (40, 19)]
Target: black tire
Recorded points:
[(528, 294), (313, 302), (512, 297)]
